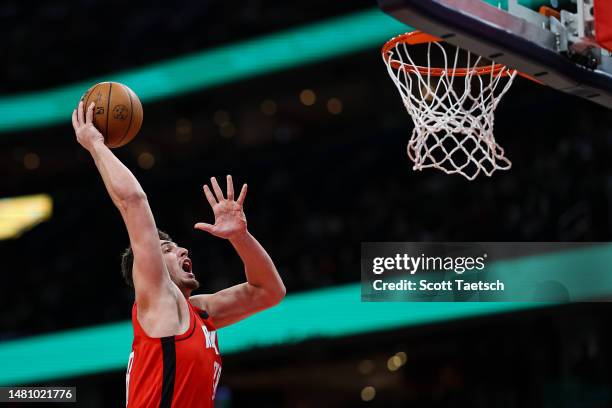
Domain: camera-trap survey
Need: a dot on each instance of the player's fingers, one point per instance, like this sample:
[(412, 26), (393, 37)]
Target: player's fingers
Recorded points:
[(242, 195), (216, 189), (80, 114), (230, 188), (202, 226), (209, 196), (89, 116), (75, 122)]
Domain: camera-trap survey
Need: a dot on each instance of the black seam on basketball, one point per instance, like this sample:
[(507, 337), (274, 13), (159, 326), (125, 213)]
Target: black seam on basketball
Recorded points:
[(110, 89), (131, 115)]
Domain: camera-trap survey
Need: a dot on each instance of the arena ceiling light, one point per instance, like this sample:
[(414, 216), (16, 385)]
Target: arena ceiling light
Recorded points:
[(19, 214), (212, 67)]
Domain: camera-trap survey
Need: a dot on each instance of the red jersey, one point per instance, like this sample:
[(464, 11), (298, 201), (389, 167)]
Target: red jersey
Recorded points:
[(174, 371)]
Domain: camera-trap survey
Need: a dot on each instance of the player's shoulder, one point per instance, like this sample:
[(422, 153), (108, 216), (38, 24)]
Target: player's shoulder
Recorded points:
[(199, 301), (161, 320), (198, 304)]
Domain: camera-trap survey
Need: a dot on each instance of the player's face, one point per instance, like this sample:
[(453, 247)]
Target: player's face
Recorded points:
[(179, 265)]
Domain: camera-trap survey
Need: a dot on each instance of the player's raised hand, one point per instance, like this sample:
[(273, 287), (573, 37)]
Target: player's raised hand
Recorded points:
[(230, 221), (86, 133)]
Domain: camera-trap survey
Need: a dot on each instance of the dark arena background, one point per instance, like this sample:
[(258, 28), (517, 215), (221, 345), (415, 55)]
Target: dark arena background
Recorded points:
[(294, 99)]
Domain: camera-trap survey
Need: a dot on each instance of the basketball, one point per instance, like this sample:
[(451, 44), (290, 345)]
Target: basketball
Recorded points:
[(117, 113)]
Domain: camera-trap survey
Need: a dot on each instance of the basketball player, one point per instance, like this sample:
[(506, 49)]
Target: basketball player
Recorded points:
[(175, 358)]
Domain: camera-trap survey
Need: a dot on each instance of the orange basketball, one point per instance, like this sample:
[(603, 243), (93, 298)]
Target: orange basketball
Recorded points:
[(117, 114)]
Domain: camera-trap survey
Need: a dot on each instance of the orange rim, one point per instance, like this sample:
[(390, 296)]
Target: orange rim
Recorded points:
[(419, 37)]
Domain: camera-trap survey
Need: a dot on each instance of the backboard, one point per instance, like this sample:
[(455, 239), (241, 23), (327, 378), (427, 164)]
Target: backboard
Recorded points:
[(564, 44)]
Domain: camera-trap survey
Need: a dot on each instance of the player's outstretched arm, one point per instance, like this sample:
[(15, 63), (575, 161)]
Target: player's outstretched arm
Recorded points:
[(150, 277), (264, 287)]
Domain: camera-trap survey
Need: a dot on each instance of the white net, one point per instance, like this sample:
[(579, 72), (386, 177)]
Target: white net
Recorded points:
[(452, 105)]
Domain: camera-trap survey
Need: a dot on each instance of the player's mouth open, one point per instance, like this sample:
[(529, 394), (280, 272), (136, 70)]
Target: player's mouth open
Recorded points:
[(186, 265)]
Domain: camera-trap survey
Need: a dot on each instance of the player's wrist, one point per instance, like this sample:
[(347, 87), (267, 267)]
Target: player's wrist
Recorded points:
[(239, 236), (95, 146)]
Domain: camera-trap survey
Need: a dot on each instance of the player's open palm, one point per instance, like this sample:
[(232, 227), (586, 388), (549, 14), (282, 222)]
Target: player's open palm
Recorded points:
[(230, 220)]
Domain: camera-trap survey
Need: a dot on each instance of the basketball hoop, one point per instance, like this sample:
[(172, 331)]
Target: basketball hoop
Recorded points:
[(451, 102)]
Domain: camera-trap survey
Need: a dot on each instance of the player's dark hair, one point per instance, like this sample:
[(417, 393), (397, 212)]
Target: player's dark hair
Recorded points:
[(127, 259)]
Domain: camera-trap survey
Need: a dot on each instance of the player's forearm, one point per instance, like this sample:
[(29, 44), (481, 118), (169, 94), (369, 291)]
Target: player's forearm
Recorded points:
[(120, 183), (259, 268)]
